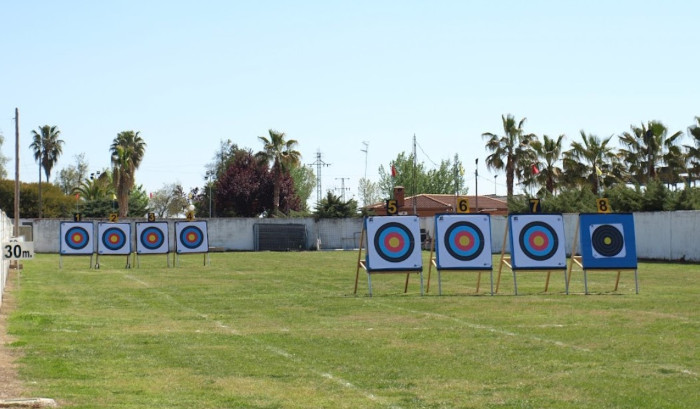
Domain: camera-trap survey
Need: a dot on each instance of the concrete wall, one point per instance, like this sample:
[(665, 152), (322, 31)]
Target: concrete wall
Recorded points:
[(659, 235)]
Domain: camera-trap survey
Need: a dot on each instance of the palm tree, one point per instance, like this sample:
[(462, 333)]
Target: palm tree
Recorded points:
[(127, 151), (693, 151), (548, 152), (510, 152), (282, 155), (47, 148), (586, 161), (648, 149)]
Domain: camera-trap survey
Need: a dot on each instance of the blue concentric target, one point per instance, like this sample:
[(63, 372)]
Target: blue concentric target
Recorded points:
[(152, 238), (77, 238), (538, 241), (464, 241), (113, 239), (394, 242), (191, 237)]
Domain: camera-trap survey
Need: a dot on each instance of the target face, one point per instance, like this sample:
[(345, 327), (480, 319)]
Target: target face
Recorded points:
[(463, 241), (393, 243), (76, 238), (607, 241), (191, 237), (114, 238), (537, 241), (152, 238)]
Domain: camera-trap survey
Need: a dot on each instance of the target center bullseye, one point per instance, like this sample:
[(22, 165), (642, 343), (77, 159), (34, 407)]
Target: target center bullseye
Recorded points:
[(607, 241), (394, 242), (538, 241), (464, 241)]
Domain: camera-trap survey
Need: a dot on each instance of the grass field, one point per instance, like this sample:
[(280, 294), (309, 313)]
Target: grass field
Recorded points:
[(284, 330)]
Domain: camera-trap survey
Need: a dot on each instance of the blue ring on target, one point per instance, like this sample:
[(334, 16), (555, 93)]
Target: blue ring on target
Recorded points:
[(191, 237), (455, 235), (152, 238), (394, 242), (113, 239), (77, 238), (538, 241)]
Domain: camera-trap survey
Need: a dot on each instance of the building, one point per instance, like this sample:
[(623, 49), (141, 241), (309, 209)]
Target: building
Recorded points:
[(428, 205)]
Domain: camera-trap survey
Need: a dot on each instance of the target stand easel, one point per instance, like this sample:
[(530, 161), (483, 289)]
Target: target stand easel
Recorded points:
[(463, 244), (539, 263), (191, 237), (364, 264), (152, 239), (76, 239), (607, 244)]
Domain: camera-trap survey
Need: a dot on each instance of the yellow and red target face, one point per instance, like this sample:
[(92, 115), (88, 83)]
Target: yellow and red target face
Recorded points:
[(152, 238), (191, 237), (393, 243), (463, 241), (537, 241)]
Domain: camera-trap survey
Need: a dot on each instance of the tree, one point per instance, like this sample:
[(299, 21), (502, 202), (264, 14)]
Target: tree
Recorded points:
[(3, 160), (585, 162), (127, 151), (693, 151), (96, 188), (168, 201), (333, 207), (282, 154), (304, 184), (369, 192), (511, 151), (649, 148), (549, 152), (70, 177), (416, 179), (47, 148)]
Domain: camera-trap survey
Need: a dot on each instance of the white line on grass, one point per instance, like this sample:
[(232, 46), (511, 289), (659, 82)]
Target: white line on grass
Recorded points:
[(488, 328), (275, 350)]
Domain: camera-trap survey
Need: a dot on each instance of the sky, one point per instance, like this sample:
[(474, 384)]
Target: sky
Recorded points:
[(334, 74)]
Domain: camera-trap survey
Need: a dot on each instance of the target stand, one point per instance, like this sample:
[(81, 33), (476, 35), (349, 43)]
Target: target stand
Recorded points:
[(536, 244), (191, 237), (76, 239), (607, 244), (152, 239), (393, 247), (462, 243)]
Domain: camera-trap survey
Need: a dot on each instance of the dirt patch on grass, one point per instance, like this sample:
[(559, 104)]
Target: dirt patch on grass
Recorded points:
[(10, 385)]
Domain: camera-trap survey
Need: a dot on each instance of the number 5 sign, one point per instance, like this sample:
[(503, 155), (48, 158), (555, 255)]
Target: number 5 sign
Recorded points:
[(462, 204)]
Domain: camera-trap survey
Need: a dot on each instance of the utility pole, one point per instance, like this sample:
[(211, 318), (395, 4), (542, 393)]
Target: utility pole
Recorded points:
[(342, 187), (415, 194), (319, 165), (16, 172), (365, 150), (476, 184)]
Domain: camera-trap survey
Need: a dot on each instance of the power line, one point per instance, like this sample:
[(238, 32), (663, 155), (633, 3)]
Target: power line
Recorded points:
[(319, 163)]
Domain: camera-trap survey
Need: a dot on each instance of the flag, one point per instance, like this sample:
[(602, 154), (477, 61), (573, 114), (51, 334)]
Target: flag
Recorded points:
[(393, 171), (534, 169), (598, 171), (77, 196), (151, 195)]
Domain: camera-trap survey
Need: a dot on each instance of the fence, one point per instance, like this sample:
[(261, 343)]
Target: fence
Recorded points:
[(659, 235), (5, 234)]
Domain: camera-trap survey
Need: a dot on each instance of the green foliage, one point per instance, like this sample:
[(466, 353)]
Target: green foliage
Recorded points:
[(55, 202), (416, 179), (332, 207), (3, 160), (304, 184), (69, 178)]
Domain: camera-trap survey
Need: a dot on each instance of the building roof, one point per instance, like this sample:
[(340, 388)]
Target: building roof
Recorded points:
[(430, 204)]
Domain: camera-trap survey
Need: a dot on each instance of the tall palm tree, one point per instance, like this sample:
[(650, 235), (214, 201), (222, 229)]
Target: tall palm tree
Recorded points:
[(283, 156), (47, 148), (549, 152), (510, 152), (127, 151), (693, 151), (649, 148), (589, 159)]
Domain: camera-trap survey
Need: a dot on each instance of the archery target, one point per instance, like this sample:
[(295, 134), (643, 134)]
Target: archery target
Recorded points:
[(537, 241), (76, 238), (393, 243), (114, 238), (152, 238), (191, 237), (463, 241), (607, 241)]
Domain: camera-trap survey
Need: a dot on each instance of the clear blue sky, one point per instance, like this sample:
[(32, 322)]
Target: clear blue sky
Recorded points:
[(333, 74)]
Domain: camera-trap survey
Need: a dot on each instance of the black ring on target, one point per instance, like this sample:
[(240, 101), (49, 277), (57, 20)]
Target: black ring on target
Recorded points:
[(394, 242), (607, 240), (458, 231), (191, 237), (77, 238), (113, 239), (530, 237), (152, 238)]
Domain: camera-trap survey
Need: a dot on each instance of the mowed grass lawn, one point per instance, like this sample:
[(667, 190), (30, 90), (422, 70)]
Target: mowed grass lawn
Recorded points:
[(284, 330)]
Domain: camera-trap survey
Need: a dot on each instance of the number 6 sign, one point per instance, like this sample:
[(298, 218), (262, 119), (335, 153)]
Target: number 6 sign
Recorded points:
[(462, 204)]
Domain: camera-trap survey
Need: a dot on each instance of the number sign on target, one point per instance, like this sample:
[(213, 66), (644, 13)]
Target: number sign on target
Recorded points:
[(537, 241), (607, 241), (393, 243), (463, 241)]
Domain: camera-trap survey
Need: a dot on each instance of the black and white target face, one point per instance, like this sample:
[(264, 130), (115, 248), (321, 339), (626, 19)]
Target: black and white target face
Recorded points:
[(607, 240)]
